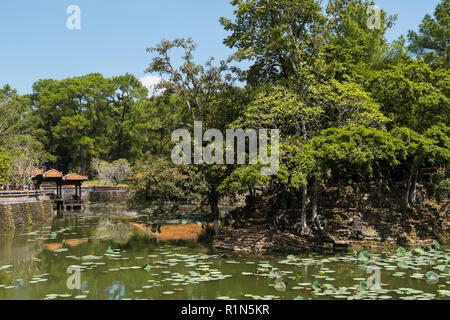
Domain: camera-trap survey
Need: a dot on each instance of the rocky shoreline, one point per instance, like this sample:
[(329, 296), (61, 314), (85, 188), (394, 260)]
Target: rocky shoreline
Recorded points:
[(343, 228)]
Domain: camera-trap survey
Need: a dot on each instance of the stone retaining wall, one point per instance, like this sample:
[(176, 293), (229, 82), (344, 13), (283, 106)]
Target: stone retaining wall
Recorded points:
[(108, 196), (22, 214)]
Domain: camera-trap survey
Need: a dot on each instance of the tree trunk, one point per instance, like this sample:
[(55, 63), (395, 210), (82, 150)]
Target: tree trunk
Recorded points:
[(305, 228), (161, 142), (413, 193), (81, 160), (408, 186), (120, 138), (119, 144), (315, 205), (214, 204)]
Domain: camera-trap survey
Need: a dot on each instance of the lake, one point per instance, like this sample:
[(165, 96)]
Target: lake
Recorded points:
[(111, 253)]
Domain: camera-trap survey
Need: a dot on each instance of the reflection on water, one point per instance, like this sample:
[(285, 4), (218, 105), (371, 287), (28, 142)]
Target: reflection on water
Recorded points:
[(112, 246), (52, 246), (119, 233), (172, 232)]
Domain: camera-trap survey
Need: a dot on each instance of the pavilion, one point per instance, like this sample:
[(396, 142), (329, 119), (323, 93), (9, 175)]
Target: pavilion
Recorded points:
[(71, 179)]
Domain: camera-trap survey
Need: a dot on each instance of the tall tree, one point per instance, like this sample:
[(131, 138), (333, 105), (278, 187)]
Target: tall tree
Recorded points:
[(129, 91), (13, 109), (197, 84), (75, 115), (355, 37), (432, 41), (200, 86), (4, 167), (282, 38)]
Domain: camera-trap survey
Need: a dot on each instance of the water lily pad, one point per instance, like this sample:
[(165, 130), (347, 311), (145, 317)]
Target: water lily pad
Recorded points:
[(147, 267), (435, 245), (280, 286), (363, 287), (316, 286), (5, 267), (168, 292), (364, 256), (401, 252), (431, 277)]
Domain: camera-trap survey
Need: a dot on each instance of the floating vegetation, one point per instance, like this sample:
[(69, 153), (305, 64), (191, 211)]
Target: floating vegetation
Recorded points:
[(364, 256), (5, 267), (148, 267), (280, 286), (401, 252), (316, 286)]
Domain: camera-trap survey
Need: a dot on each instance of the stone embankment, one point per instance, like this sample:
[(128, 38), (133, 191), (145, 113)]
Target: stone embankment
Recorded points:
[(14, 215)]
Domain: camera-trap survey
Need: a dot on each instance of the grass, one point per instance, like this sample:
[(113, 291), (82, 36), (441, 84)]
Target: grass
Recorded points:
[(103, 183)]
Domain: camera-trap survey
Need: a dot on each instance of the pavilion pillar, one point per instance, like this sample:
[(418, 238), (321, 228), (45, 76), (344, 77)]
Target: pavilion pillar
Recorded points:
[(58, 191)]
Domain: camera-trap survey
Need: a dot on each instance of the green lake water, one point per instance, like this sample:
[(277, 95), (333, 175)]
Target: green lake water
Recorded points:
[(110, 250)]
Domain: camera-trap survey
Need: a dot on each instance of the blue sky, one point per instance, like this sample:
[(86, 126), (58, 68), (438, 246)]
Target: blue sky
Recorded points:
[(36, 44)]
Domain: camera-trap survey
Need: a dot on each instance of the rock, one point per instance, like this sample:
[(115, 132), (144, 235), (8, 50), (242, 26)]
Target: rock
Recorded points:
[(342, 243), (356, 228)]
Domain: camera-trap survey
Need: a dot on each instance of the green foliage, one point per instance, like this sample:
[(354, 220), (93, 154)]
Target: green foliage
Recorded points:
[(4, 167), (401, 252), (350, 43), (26, 154), (346, 103), (358, 146), (243, 179), (429, 148), (157, 182), (278, 36), (276, 107), (341, 96), (364, 256), (14, 110), (197, 84), (431, 42), (316, 286), (435, 246), (412, 95), (75, 119), (127, 100)]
